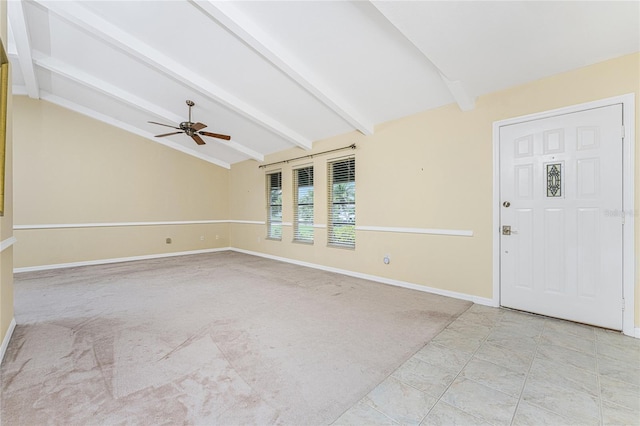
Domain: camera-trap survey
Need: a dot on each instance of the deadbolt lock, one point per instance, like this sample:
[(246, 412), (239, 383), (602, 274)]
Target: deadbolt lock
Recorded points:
[(506, 204), (506, 230)]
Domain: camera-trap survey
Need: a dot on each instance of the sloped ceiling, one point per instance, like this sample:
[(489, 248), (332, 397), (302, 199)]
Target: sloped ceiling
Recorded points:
[(276, 75)]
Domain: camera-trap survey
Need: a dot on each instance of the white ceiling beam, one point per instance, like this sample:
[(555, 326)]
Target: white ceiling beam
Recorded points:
[(16, 89), (79, 76), (462, 98), (72, 73), (20, 30), (19, 90), (246, 30), (465, 101), (127, 127), (12, 51), (98, 27)]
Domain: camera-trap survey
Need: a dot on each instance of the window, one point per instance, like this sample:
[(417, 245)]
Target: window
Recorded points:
[(342, 203), (274, 200), (303, 205)]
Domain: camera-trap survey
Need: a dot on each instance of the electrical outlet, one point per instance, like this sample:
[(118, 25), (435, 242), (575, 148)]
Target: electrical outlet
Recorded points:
[(201, 237), (386, 259), (217, 237), (168, 240)]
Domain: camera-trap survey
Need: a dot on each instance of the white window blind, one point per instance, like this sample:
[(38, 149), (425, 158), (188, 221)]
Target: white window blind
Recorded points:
[(303, 204), (274, 205), (342, 203)]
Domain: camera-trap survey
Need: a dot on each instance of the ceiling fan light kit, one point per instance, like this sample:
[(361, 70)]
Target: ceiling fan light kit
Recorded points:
[(194, 130)]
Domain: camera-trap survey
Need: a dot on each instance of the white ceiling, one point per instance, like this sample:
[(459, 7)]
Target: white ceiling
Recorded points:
[(276, 75)]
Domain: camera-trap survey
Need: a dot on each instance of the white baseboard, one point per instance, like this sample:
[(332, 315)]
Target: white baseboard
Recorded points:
[(383, 280), (7, 338), (115, 260), (471, 298)]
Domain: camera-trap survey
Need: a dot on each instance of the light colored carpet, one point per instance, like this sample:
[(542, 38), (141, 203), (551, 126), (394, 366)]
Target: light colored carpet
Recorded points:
[(222, 338)]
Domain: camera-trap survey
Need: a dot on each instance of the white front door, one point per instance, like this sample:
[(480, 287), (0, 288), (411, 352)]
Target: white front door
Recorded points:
[(561, 196)]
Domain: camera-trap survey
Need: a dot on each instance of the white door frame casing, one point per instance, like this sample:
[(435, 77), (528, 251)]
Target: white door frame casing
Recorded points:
[(628, 164)]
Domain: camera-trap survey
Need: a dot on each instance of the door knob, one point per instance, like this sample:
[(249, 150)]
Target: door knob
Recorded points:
[(506, 204)]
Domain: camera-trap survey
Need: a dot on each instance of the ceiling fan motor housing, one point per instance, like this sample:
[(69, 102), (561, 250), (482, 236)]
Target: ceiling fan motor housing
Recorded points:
[(187, 127), (192, 129)]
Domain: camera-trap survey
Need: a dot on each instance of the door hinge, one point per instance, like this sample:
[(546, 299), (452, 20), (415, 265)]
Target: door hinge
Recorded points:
[(623, 133), (623, 303), (623, 216)]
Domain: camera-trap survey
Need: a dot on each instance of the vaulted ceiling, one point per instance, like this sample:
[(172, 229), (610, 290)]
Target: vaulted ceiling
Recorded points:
[(276, 75)]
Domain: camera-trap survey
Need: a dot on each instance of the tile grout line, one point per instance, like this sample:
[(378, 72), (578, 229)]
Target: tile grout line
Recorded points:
[(407, 384), (611, 402), (373, 408), (369, 406), (598, 377), (457, 375), (547, 321), (526, 377)]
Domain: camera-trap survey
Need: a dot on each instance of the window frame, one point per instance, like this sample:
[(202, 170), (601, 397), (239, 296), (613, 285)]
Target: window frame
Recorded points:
[(297, 204), (332, 224), (272, 225)]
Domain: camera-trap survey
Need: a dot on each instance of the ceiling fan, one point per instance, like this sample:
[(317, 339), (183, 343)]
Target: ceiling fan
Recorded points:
[(191, 129)]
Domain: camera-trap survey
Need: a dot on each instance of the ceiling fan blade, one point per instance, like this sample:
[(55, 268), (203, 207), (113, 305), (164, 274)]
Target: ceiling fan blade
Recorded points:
[(216, 135), (168, 134), (198, 126), (161, 124), (198, 139)]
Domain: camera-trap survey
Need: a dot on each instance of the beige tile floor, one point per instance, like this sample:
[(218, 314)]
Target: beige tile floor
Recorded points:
[(499, 367)]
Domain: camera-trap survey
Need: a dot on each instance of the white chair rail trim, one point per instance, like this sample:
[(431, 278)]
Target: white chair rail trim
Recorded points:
[(7, 243), (450, 232), (117, 224), (429, 231)]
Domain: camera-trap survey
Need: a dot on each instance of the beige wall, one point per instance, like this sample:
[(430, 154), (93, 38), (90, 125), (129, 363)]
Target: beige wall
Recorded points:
[(6, 232), (430, 170), (71, 169), (6, 222), (434, 170)]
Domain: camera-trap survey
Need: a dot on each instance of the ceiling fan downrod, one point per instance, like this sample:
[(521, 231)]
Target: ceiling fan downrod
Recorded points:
[(187, 124), (190, 104)]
